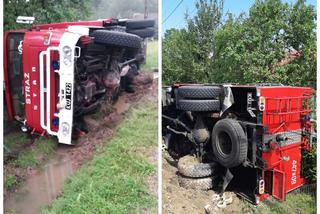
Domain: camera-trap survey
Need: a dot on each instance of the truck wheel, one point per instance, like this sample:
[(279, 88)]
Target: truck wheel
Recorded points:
[(116, 38), (199, 92), (229, 143), (198, 105), (138, 24), (117, 28), (189, 166), (143, 33), (196, 183)]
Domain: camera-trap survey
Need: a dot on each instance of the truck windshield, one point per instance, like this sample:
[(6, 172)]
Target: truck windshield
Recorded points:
[(15, 72)]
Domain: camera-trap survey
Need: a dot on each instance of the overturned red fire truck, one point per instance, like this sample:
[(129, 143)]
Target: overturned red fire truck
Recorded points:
[(56, 73), (251, 137)]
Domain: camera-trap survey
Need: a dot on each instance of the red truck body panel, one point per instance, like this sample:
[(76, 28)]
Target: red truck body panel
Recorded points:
[(285, 110), (97, 23), (33, 44)]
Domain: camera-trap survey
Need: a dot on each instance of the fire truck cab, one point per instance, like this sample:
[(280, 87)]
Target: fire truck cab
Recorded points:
[(56, 73)]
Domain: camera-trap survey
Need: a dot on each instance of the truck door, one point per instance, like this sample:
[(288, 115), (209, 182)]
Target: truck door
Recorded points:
[(13, 74)]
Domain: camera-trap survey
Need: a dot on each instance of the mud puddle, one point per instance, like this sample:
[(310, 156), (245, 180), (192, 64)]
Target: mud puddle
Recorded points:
[(121, 105), (40, 189)]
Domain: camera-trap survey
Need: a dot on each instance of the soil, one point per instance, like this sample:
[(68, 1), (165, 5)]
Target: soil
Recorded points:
[(176, 199), (68, 159)]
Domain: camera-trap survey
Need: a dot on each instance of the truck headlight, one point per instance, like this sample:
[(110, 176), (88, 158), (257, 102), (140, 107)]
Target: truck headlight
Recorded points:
[(66, 55), (65, 129)]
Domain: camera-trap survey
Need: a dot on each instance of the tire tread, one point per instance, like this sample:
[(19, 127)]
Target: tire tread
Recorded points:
[(117, 38), (199, 105), (199, 92)]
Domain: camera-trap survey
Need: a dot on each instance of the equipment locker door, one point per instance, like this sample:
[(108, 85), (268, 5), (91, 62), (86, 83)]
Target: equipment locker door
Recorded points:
[(278, 190)]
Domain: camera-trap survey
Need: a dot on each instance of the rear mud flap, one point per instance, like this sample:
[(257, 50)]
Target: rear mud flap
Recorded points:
[(226, 180), (244, 182), (278, 183)]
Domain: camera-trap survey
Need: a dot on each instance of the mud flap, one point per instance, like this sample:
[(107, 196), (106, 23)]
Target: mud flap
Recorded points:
[(227, 177), (278, 183)]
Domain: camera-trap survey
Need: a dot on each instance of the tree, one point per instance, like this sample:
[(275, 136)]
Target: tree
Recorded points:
[(122, 8), (45, 11), (187, 53), (274, 43)]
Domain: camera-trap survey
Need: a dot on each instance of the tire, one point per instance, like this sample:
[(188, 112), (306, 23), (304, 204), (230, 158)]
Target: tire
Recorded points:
[(117, 28), (229, 143), (143, 33), (189, 166), (138, 24), (116, 38), (196, 183), (199, 92), (198, 105)]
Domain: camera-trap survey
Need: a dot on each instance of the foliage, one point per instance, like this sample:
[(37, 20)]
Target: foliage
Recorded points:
[(115, 180), (45, 11), (187, 52), (310, 164), (10, 181), (122, 8), (274, 43)]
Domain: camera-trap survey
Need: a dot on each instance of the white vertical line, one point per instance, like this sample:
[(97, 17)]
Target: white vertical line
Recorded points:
[(159, 107), (318, 103), (1, 103)]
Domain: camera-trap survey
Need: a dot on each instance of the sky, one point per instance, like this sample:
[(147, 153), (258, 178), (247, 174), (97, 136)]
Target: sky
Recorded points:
[(176, 20)]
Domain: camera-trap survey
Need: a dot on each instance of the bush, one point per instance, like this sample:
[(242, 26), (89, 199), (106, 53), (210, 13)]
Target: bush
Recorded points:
[(310, 164)]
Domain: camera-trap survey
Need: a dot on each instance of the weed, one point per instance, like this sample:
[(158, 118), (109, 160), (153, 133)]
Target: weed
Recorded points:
[(10, 181), (26, 159), (45, 146)]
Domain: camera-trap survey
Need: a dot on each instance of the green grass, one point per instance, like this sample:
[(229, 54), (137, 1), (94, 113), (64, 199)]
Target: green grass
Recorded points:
[(152, 55), (29, 157), (26, 159), (45, 146), (15, 139), (10, 181), (295, 203), (114, 181)]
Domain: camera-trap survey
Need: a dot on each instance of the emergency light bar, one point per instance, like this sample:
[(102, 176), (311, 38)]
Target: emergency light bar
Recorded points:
[(25, 20)]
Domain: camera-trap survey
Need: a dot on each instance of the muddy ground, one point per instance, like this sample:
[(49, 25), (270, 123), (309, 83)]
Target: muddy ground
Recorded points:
[(43, 184), (176, 199)]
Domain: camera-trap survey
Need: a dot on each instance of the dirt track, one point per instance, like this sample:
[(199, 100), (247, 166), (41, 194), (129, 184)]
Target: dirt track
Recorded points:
[(178, 200)]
